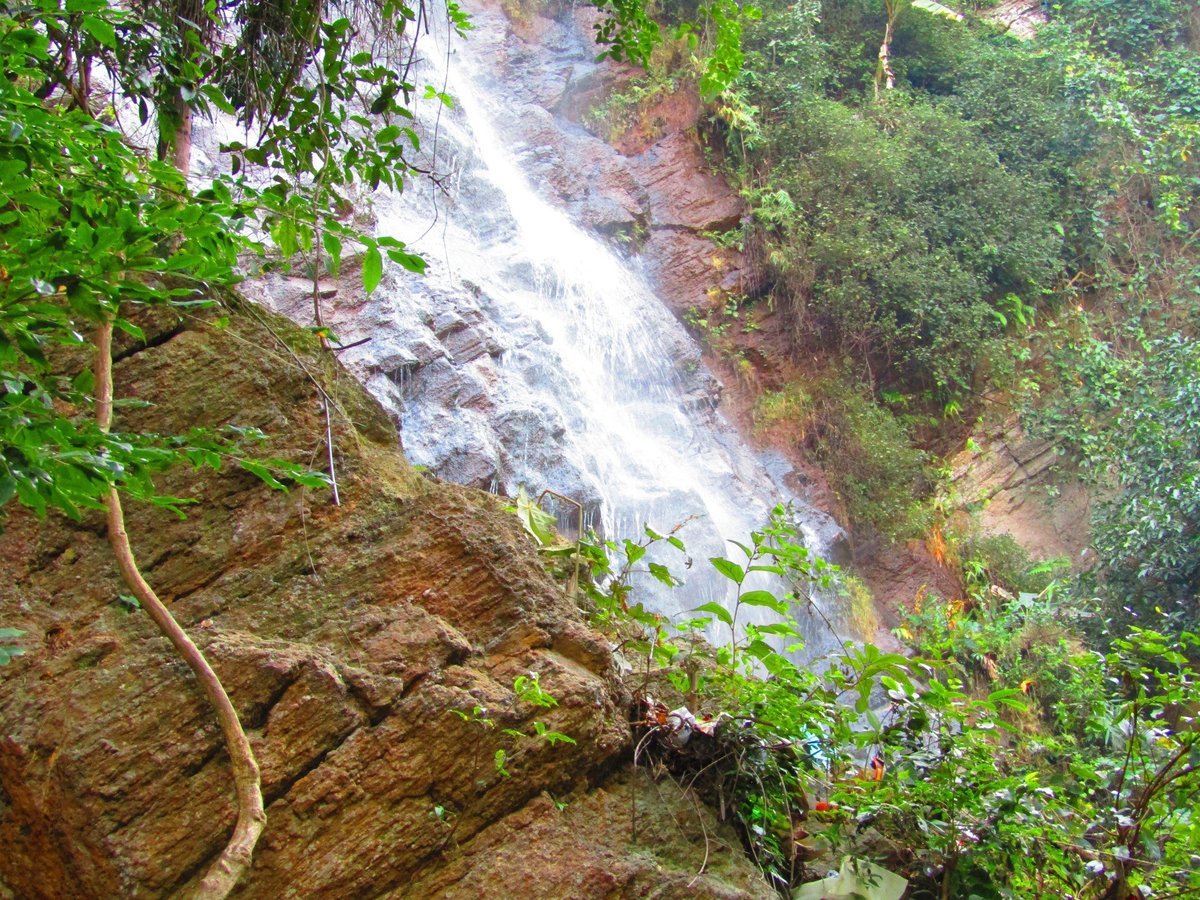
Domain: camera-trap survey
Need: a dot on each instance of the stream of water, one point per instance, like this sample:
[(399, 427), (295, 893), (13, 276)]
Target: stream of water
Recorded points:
[(533, 355)]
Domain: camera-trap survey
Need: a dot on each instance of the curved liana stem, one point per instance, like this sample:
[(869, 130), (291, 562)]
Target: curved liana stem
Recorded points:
[(235, 859)]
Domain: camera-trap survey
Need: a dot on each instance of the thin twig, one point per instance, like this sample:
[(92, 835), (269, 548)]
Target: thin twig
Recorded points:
[(337, 500)]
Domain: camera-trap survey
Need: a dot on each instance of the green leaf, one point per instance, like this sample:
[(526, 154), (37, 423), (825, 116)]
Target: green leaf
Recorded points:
[(749, 553), (410, 261), (765, 599), (774, 570), (372, 271), (539, 523), (254, 467), (1009, 697), (729, 569), (217, 98), (333, 246), (780, 628), (663, 574), (717, 610), (7, 654), (283, 231), (102, 30), (130, 329), (8, 488)]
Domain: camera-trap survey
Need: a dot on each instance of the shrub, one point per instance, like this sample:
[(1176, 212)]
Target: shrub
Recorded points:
[(877, 474), (896, 234)]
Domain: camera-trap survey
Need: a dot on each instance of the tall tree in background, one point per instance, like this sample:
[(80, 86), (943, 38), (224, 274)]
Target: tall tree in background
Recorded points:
[(885, 76)]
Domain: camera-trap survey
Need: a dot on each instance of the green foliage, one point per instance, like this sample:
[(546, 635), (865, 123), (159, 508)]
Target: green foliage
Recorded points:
[(527, 689), (877, 473), (630, 33), (621, 110), (319, 136), (1148, 536), (1110, 756), (627, 31), (1007, 760), (896, 233), (723, 19), (921, 235), (87, 223), (1138, 81), (1143, 820), (7, 649), (1130, 424), (880, 477), (1126, 27), (997, 559), (777, 550), (787, 733), (981, 809), (1020, 215), (536, 521), (1117, 381)]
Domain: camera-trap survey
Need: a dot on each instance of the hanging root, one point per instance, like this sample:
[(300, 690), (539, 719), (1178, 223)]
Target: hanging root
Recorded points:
[(235, 859)]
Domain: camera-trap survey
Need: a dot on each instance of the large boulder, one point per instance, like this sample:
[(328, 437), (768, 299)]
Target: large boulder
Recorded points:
[(370, 648)]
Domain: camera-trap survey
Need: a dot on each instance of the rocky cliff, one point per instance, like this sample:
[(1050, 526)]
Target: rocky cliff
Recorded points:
[(348, 638), (469, 359)]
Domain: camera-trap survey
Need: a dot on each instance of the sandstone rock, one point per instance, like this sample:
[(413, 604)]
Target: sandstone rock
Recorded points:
[(683, 192), (1011, 485), (689, 269), (588, 850), (347, 638)]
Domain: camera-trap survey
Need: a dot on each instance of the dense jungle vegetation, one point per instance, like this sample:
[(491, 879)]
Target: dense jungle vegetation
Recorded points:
[(959, 223), (966, 220), (1012, 224)]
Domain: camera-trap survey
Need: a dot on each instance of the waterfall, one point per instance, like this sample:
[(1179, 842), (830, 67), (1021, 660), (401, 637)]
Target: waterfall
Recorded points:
[(534, 355)]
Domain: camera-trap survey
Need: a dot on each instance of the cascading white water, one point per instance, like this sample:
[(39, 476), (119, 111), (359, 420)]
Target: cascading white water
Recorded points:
[(533, 355)]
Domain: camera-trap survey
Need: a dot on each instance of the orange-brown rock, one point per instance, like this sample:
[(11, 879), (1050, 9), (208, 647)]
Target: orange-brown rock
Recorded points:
[(348, 639), (642, 180)]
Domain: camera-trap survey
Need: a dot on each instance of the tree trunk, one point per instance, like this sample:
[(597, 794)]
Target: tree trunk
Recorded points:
[(883, 72), (183, 137), (235, 859)]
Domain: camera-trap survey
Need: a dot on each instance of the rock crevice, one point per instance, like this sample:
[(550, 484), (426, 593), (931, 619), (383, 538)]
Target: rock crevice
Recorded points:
[(349, 639)]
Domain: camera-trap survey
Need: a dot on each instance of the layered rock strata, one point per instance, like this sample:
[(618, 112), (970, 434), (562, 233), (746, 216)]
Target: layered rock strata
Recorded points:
[(349, 638)]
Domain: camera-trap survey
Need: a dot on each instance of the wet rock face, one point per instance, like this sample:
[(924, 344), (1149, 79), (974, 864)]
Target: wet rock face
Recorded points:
[(437, 353), (346, 637), (440, 352), (652, 189)]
